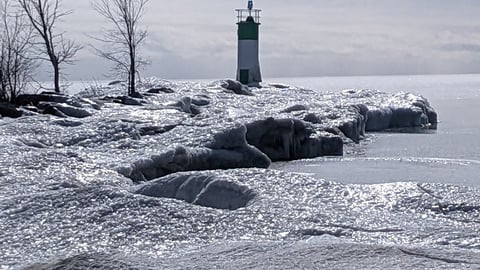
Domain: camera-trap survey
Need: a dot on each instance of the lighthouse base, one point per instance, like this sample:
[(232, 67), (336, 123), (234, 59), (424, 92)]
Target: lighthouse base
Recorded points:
[(249, 76)]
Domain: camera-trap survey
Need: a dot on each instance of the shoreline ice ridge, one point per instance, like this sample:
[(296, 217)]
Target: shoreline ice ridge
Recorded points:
[(252, 128), (187, 126)]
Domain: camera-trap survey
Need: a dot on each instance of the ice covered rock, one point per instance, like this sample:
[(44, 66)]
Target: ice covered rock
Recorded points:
[(9, 110), (228, 149), (151, 141), (51, 97), (201, 189), (379, 119), (35, 99), (402, 110), (400, 117), (63, 110), (290, 139), (355, 125), (237, 87), (57, 104)]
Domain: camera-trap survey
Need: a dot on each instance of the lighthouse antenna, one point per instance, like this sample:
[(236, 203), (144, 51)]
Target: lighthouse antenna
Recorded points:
[(250, 7)]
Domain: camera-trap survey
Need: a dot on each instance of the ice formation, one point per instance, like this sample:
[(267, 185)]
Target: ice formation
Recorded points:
[(202, 189), (222, 125)]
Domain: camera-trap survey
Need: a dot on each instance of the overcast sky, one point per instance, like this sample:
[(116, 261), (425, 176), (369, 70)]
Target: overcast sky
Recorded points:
[(197, 39)]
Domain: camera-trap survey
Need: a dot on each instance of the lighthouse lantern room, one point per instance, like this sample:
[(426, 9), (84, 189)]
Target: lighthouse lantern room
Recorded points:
[(248, 70)]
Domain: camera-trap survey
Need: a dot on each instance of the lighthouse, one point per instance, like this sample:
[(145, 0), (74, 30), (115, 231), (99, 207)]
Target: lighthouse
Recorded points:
[(248, 67)]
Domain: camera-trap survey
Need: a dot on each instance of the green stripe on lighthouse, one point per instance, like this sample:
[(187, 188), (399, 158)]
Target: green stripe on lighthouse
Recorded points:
[(248, 30)]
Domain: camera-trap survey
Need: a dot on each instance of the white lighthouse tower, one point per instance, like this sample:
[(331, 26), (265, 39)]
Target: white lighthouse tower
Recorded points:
[(248, 69)]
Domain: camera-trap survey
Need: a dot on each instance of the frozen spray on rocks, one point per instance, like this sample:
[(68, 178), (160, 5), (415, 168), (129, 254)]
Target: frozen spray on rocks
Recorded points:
[(222, 128)]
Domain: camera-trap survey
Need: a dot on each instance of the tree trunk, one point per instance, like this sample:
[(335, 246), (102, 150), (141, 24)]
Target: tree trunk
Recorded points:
[(56, 77), (132, 91)]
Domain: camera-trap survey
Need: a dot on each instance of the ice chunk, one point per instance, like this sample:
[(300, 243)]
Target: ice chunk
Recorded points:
[(190, 159), (201, 189), (227, 149)]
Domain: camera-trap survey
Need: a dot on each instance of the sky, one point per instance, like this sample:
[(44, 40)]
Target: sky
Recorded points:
[(193, 39)]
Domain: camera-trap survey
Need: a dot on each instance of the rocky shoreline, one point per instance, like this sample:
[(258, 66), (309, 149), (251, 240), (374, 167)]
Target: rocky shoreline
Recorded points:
[(222, 125)]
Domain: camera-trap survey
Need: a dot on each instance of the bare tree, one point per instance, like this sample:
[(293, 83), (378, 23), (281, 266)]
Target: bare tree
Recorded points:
[(44, 15), (124, 38), (16, 60)]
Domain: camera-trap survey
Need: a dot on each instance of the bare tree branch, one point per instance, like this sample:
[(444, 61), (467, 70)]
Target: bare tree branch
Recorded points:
[(16, 60), (124, 38), (43, 16)]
